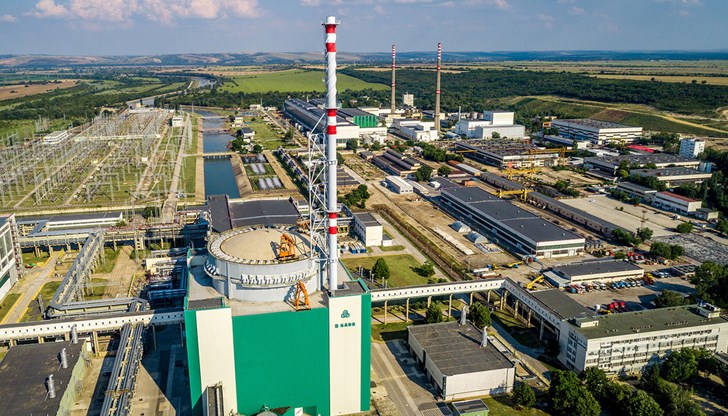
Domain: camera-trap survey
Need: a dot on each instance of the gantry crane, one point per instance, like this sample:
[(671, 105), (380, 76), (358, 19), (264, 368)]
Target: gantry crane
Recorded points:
[(301, 290), (522, 193), (560, 150), (532, 283), (527, 172), (286, 248)]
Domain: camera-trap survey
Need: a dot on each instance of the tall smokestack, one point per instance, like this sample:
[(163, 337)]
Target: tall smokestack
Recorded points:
[(437, 89), (394, 60), (331, 209)]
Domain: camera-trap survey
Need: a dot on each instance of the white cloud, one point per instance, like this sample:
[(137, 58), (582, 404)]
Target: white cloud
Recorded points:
[(576, 10), (7, 18), (684, 13), (122, 11), (49, 8)]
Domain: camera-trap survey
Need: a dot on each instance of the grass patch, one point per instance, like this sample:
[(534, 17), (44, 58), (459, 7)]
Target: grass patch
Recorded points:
[(265, 136), (98, 286), (654, 122), (294, 80), (391, 248), (386, 332), (503, 406), (46, 293), (111, 255), (32, 258), (400, 269), (517, 329), (189, 174), (9, 301)]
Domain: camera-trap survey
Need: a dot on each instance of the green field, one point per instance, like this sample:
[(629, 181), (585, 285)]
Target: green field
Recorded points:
[(110, 261), (391, 248), (31, 257), (503, 406), (400, 269), (294, 80), (265, 136), (7, 302)]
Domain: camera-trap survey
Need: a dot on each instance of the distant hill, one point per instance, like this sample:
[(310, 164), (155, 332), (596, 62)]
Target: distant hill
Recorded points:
[(283, 58)]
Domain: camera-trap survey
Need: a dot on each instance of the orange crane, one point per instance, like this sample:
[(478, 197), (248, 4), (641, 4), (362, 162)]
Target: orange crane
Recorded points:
[(301, 290), (286, 248)]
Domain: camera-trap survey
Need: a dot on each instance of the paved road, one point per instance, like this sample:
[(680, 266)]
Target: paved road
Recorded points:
[(29, 287)]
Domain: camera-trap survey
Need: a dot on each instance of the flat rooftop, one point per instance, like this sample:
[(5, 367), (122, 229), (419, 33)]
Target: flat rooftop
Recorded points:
[(262, 244), (509, 215), (596, 267), (676, 171), (366, 218), (352, 112), (470, 406), (588, 122), (642, 159), (635, 188), (455, 349), (23, 373), (560, 303), (649, 320), (226, 214)]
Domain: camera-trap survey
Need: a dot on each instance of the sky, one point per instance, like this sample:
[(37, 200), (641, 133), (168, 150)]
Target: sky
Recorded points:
[(152, 27)]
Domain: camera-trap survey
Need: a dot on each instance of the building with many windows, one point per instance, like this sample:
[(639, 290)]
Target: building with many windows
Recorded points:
[(500, 122), (691, 147), (676, 203), (509, 225), (10, 259), (596, 131)]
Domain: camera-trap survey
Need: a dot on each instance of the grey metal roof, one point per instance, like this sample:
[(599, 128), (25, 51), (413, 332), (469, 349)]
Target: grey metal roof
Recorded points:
[(352, 112), (366, 219), (588, 122), (23, 372), (263, 212), (596, 267), (635, 188), (470, 406), (455, 349), (649, 320), (568, 208), (71, 217), (3, 220), (509, 215), (219, 213), (560, 303)]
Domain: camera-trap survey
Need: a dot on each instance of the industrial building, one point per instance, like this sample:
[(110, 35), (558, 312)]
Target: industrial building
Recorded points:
[(611, 164), (510, 225), (457, 362), (691, 147), (396, 163), (42, 379), (500, 122), (368, 229), (618, 343), (399, 185), (676, 203), (643, 193), (504, 153), (542, 201), (359, 117), (11, 262), (672, 177), (70, 221), (597, 270), (416, 130), (308, 115), (596, 131), (628, 342)]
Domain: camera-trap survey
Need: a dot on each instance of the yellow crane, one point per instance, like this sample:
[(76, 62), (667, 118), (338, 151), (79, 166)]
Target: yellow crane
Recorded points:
[(522, 193), (560, 150), (286, 248), (301, 291), (527, 172), (533, 282)]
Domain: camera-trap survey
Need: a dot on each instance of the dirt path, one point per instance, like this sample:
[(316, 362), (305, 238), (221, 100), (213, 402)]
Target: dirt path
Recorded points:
[(121, 276)]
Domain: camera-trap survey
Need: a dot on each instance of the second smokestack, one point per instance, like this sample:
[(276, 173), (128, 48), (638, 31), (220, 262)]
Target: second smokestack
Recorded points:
[(394, 60), (437, 89)]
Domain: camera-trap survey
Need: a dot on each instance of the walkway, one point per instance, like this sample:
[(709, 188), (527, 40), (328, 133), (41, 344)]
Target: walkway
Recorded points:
[(29, 287)]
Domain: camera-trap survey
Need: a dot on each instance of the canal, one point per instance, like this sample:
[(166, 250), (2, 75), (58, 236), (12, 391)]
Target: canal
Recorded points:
[(219, 177)]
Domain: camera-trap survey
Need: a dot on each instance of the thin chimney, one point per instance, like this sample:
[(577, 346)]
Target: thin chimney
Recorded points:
[(437, 88), (484, 341), (464, 315), (394, 55)]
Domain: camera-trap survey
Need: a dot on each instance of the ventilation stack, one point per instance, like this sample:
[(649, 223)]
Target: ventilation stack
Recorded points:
[(331, 205), (63, 356), (51, 386), (437, 89), (463, 315), (484, 341), (74, 335), (394, 60)]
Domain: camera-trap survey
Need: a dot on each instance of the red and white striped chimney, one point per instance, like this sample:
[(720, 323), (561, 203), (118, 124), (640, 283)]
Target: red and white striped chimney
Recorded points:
[(331, 209), (394, 54), (437, 88)]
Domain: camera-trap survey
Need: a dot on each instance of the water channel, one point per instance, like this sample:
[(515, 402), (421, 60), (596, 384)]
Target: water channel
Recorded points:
[(219, 177)]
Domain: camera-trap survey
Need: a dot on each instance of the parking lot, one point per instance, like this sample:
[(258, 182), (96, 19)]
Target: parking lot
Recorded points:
[(701, 247), (635, 298)]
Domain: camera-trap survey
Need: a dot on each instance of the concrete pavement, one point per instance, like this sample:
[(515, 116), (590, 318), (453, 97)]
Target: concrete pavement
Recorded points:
[(29, 287)]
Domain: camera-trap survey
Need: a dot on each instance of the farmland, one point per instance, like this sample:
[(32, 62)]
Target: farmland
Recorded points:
[(23, 90), (294, 80)]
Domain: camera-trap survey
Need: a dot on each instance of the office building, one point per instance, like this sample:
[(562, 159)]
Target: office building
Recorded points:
[(596, 131), (676, 203), (500, 122), (691, 147), (368, 229), (11, 261)]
